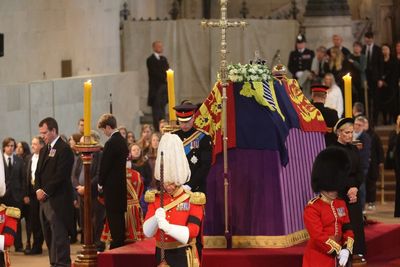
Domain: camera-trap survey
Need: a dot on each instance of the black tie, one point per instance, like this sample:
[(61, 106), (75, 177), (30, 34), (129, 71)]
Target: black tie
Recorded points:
[(9, 165), (368, 55)]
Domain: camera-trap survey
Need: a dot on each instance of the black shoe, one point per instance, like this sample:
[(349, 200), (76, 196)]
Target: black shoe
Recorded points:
[(19, 249), (34, 252)]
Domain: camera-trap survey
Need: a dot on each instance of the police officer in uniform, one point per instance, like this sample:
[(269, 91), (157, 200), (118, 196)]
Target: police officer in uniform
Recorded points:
[(318, 95), (181, 216), (197, 144), (300, 61)]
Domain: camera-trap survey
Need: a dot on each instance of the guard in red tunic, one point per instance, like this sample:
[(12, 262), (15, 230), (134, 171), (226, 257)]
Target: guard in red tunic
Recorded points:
[(325, 216), (8, 228), (181, 216)]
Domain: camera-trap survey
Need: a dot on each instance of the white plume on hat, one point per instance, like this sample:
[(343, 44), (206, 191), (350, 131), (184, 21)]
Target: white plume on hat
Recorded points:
[(176, 166)]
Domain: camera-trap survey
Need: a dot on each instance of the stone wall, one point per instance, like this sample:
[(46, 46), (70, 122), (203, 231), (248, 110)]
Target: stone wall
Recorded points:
[(23, 105), (39, 34)]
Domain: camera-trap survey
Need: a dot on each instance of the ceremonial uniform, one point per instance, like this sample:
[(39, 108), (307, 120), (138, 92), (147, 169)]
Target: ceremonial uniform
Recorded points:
[(198, 150), (328, 225), (331, 118), (8, 227), (183, 208), (300, 61)]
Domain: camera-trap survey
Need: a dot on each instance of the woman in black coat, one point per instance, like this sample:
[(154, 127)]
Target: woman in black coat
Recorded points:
[(344, 131)]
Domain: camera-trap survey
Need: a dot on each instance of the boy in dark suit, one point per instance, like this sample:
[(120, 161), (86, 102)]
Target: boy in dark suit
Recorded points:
[(112, 178)]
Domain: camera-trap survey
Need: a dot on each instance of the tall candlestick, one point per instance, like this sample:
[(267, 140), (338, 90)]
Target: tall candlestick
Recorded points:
[(348, 105), (171, 95), (87, 107)]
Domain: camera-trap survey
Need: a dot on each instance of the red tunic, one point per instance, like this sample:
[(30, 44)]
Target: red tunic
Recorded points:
[(328, 225), (185, 213), (8, 228)]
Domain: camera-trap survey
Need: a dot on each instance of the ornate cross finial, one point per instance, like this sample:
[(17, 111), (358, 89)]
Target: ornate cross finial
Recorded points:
[(224, 24)]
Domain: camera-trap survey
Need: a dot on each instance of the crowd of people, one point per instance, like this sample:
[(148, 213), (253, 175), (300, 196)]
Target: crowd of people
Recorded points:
[(375, 72), (375, 75), (49, 174)]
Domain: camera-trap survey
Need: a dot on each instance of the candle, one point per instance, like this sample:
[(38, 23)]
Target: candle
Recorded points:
[(87, 107), (348, 106), (171, 95)]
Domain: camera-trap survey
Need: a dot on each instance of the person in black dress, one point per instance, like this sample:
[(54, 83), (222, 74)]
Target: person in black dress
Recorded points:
[(344, 131)]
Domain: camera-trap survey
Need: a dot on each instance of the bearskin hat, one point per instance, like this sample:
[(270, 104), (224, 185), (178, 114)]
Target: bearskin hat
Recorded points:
[(330, 170)]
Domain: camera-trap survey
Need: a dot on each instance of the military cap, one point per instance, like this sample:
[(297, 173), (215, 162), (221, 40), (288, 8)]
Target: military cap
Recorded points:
[(319, 88), (185, 111)]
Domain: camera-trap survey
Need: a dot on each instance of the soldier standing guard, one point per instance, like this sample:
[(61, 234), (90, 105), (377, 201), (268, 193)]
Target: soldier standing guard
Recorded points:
[(300, 61), (181, 216), (318, 95), (326, 217), (198, 150), (197, 144)]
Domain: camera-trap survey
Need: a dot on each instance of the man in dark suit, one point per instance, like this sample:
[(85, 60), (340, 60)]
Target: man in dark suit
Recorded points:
[(318, 95), (34, 206), (112, 178), (373, 72), (54, 192), (157, 65), (14, 178), (337, 42)]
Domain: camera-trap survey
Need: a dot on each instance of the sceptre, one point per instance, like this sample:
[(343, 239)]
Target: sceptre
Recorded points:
[(163, 263)]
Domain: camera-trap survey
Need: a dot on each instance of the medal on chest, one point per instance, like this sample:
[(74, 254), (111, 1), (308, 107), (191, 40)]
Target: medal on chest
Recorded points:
[(184, 206), (194, 144), (2, 218), (194, 159)]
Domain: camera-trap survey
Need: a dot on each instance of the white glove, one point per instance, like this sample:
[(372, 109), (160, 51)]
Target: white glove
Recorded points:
[(163, 224), (343, 256), (186, 187), (150, 226), (160, 214), (179, 232)]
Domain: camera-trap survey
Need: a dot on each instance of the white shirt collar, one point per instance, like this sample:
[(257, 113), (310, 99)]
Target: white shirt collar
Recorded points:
[(157, 55), (116, 131), (54, 142), (6, 158)]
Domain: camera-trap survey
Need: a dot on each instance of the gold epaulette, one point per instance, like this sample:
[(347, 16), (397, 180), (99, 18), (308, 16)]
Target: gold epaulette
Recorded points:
[(150, 195), (13, 212), (311, 201), (198, 198)]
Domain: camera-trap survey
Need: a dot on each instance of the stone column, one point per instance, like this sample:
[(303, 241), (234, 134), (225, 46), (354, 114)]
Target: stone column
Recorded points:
[(323, 18)]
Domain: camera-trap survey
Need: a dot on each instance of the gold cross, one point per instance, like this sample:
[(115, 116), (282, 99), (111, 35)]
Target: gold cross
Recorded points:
[(224, 24)]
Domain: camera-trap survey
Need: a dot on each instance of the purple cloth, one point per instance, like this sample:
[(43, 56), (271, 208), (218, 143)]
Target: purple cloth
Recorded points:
[(265, 198)]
